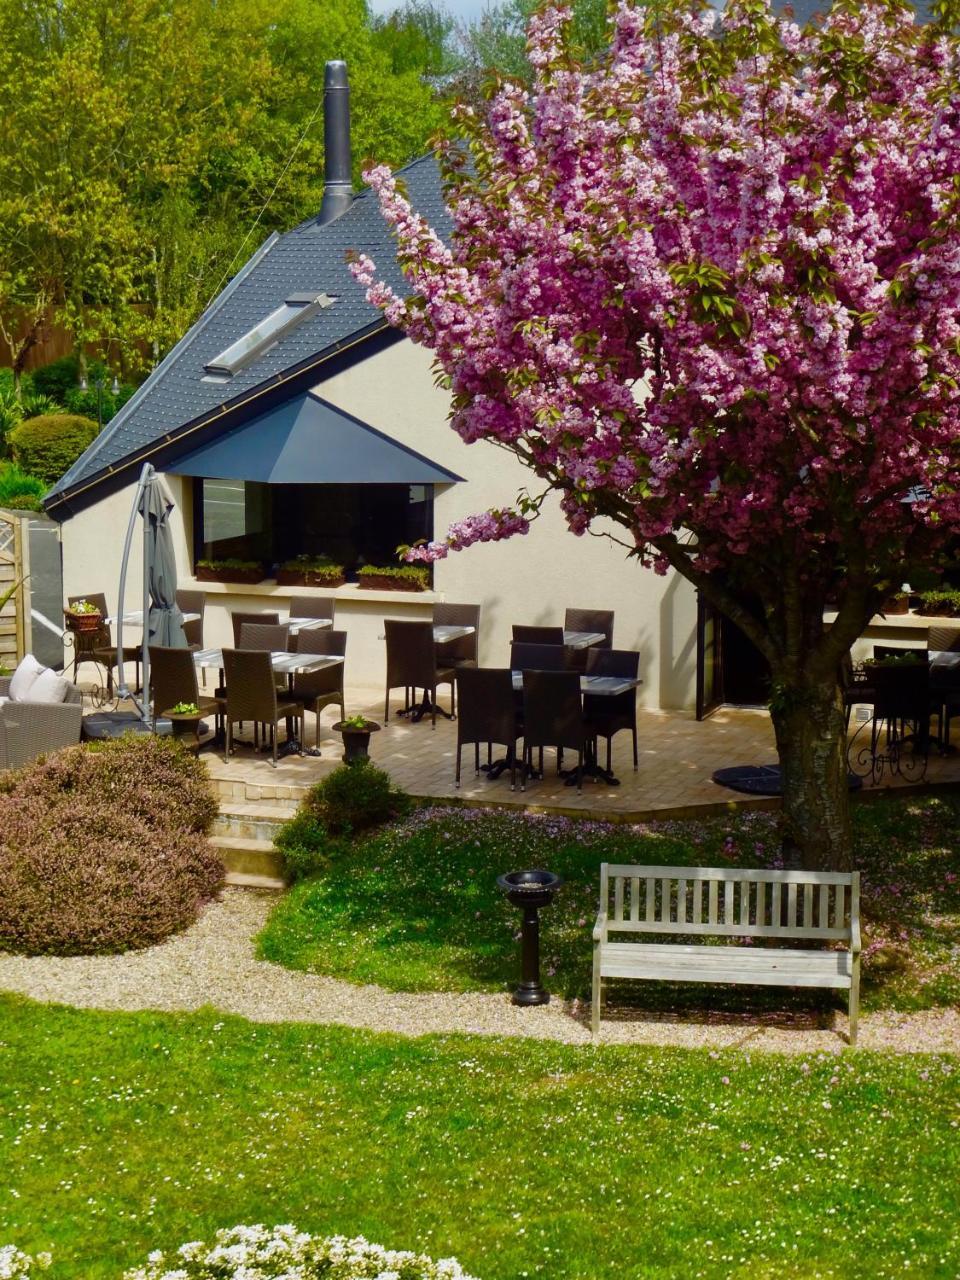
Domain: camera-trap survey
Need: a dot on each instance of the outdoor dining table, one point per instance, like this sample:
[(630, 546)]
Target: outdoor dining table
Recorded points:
[(297, 625), (135, 618), (604, 686), (284, 663)]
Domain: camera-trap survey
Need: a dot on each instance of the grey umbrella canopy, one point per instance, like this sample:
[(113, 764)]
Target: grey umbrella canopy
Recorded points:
[(165, 621)]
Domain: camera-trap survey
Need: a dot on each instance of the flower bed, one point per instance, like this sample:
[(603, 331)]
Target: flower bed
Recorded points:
[(404, 577), (284, 1252), (229, 571), (305, 571)]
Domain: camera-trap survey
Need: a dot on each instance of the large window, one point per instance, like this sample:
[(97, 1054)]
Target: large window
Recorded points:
[(351, 524)]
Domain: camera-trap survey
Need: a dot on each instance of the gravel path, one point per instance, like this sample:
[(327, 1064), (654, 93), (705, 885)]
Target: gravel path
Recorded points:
[(213, 964)]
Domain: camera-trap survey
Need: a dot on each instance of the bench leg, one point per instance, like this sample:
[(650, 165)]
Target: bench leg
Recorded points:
[(597, 993), (854, 1005)]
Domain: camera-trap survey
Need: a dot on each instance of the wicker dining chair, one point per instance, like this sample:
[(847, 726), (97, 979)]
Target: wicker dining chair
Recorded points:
[(314, 607), (552, 717), (538, 635), (537, 657), (463, 652), (487, 713), (271, 636), (173, 679), (943, 644), (252, 695), (412, 663), (239, 619), (607, 715), (598, 620), (315, 690), (189, 601)]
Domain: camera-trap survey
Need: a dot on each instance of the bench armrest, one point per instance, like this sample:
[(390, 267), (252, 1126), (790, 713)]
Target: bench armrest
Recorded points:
[(600, 928), (855, 936), (5, 686)]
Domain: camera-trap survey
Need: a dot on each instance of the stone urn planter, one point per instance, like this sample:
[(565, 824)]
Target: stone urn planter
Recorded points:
[(356, 738)]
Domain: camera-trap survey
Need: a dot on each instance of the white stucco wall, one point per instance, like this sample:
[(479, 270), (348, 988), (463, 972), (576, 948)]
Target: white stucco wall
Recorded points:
[(530, 579)]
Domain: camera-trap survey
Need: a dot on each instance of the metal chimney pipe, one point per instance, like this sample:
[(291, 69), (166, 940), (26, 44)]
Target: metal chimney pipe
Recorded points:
[(337, 186)]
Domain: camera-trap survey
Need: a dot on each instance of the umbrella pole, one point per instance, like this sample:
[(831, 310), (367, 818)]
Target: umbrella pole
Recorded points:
[(122, 690)]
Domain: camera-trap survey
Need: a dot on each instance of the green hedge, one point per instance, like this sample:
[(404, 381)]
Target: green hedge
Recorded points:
[(47, 446)]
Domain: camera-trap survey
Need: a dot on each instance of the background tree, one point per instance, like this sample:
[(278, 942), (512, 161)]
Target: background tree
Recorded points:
[(708, 289), (148, 149)]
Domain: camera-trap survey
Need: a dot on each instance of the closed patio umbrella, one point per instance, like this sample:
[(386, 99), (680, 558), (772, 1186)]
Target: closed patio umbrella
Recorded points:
[(164, 621)]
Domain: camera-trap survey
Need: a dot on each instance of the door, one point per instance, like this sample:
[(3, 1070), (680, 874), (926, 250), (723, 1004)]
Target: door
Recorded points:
[(709, 665), (744, 671)]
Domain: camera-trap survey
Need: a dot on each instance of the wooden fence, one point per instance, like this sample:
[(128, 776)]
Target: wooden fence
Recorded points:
[(13, 613)]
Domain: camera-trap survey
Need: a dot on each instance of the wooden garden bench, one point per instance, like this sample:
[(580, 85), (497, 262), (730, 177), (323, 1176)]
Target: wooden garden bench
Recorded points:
[(710, 902)]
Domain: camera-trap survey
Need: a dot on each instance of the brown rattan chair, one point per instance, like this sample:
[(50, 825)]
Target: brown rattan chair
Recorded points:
[(314, 607), (607, 715), (412, 664), (193, 602), (271, 636), (598, 620), (238, 618), (537, 657), (252, 695), (30, 729), (538, 635), (552, 717), (943, 645), (173, 679), (463, 652), (318, 689), (487, 713)]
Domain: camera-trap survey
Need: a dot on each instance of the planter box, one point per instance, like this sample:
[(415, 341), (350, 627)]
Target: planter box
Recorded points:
[(203, 574), (82, 621), (896, 604), (308, 578), (376, 582), (940, 610)]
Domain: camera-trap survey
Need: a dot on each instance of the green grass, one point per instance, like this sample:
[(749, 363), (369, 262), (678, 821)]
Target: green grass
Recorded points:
[(415, 907), (125, 1133)]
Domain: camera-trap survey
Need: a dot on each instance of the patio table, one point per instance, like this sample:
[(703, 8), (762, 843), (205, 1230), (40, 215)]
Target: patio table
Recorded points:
[(297, 625), (284, 663), (604, 686), (582, 639), (135, 618)]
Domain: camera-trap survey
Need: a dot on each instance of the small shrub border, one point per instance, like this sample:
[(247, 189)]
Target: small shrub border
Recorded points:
[(49, 445), (284, 1252)]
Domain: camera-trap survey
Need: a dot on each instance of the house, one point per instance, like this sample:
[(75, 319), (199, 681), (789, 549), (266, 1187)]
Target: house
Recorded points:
[(291, 420)]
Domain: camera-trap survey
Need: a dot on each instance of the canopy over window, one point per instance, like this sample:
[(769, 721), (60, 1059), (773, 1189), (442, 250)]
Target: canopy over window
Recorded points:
[(308, 441)]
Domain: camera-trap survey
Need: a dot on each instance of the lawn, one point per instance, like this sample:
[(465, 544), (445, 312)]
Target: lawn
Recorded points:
[(414, 907), (123, 1133)]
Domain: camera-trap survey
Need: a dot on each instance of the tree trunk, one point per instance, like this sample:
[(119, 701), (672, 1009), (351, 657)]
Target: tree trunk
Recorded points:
[(810, 728)]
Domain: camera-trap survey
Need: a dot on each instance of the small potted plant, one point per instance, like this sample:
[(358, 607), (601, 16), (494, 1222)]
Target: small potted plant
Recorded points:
[(229, 571), (394, 577), (898, 602), (311, 571), (82, 616), (356, 731)]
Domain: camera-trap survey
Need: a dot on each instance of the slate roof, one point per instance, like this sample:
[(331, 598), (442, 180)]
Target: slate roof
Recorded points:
[(308, 258)]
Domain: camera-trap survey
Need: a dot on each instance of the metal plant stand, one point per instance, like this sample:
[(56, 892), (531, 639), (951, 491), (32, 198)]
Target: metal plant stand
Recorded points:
[(530, 890)]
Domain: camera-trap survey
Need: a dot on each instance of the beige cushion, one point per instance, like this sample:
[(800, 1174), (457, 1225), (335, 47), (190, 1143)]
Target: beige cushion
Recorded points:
[(22, 680), (48, 687)]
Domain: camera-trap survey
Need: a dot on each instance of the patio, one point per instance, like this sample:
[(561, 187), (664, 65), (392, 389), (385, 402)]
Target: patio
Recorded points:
[(678, 755)]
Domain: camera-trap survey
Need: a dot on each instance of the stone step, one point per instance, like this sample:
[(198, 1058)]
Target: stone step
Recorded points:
[(258, 822), (242, 880), (244, 856), (231, 789)]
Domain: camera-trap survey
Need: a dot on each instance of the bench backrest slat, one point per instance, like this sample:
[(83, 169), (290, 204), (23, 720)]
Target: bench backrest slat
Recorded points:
[(752, 902)]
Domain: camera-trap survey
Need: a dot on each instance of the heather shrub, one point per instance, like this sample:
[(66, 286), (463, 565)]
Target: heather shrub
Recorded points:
[(48, 445), (80, 877), (355, 797), (155, 780), (102, 848)]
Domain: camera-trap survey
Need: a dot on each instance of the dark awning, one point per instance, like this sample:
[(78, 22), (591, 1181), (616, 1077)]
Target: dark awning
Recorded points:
[(308, 441)]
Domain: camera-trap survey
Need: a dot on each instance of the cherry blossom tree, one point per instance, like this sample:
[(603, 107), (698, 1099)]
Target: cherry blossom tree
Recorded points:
[(707, 287)]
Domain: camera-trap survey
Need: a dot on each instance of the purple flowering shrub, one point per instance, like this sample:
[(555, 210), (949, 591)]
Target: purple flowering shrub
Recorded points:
[(105, 850), (154, 779)]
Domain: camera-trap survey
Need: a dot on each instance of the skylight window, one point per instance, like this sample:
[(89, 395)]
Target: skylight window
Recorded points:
[(297, 308)]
